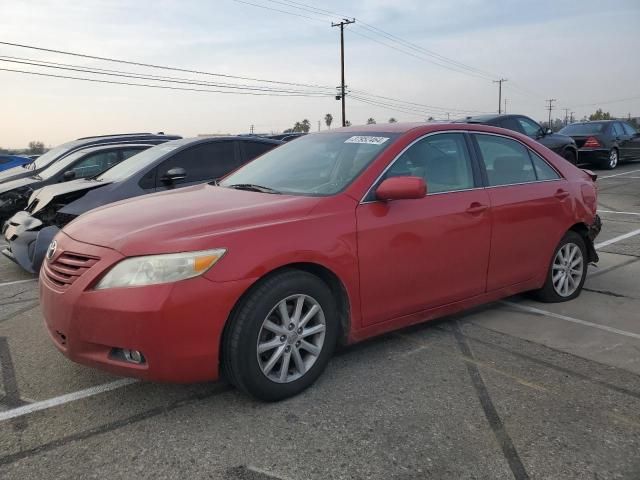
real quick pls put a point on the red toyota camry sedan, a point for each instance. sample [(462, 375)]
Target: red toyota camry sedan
[(329, 239)]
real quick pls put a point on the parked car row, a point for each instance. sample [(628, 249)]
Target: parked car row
[(12, 161), (226, 255), (602, 143)]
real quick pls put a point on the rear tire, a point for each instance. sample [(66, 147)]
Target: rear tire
[(269, 350), (570, 156), (612, 161), (567, 271)]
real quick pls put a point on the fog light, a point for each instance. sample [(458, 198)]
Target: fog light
[(133, 356)]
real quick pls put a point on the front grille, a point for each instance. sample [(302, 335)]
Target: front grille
[(68, 267)]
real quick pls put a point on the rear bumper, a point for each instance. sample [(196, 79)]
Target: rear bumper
[(593, 231), (593, 155), (177, 326)]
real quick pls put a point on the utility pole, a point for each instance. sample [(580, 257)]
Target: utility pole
[(566, 116), (571, 118), (505, 105), (550, 107), (499, 82), (345, 21), (318, 125), (251, 129)]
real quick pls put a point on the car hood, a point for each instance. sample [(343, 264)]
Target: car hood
[(15, 173), (184, 219), (13, 184), (48, 193)]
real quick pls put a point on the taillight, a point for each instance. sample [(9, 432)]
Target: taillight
[(592, 142), (591, 175)]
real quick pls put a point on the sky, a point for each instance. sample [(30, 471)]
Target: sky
[(582, 53)]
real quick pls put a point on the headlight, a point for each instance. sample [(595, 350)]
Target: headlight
[(154, 269)]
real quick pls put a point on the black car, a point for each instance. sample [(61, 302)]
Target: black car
[(175, 164), (83, 163), (61, 151), (605, 142), (563, 145)]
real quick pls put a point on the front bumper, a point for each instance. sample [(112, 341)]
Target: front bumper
[(177, 327), (27, 240)]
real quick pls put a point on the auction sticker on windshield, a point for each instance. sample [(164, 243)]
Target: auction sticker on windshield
[(367, 139)]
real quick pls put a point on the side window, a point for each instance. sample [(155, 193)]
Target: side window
[(511, 123), (130, 153), (95, 164), (531, 129), (255, 149), (629, 130), (442, 160), (507, 162), (205, 161), (542, 168), (616, 129)]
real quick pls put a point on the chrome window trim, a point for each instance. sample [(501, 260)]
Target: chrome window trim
[(561, 177)]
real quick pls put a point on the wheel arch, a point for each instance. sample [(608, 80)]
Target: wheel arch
[(583, 230), (325, 274)]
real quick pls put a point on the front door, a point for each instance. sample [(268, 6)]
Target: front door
[(422, 253)]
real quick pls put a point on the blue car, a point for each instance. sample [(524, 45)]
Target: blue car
[(10, 161)]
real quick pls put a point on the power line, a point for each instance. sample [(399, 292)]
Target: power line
[(162, 67), (166, 87), (119, 73)]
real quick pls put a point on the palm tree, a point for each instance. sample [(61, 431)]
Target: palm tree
[(328, 119), (371, 121), (393, 120)]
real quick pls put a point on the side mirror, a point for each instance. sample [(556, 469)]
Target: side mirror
[(401, 188), (174, 174), (68, 175), (548, 131)]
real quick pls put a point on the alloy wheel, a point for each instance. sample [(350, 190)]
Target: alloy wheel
[(568, 266), (613, 158), (291, 338)]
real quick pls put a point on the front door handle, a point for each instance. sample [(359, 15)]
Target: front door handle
[(561, 194), (476, 208)]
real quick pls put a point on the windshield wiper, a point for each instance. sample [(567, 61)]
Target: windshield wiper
[(254, 188)]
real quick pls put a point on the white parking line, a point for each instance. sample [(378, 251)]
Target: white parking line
[(546, 313), (61, 400), (617, 239), (619, 213), (618, 174), (18, 281)]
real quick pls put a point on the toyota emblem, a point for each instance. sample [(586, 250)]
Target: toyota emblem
[(51, 251)]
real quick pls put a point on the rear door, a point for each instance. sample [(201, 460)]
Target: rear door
[(624, 141), (423, 253), (530, 209), (203, 162)]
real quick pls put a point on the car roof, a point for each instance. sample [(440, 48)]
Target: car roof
[(111, 146), (197, 140), (426, 127)]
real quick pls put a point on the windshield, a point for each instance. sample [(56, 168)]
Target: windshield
[(583, 129), (136, 163), (321, 164), (50, 156), (61, 165)]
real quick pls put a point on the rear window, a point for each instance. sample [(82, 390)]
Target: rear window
[(583, 129)]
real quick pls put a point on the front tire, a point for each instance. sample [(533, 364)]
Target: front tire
[(567, 272), (281, 337)]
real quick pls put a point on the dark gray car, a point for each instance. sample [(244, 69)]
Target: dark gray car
[(175, 164)]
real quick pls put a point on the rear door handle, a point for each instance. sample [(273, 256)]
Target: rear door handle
[(561, 194), (476, 207)]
